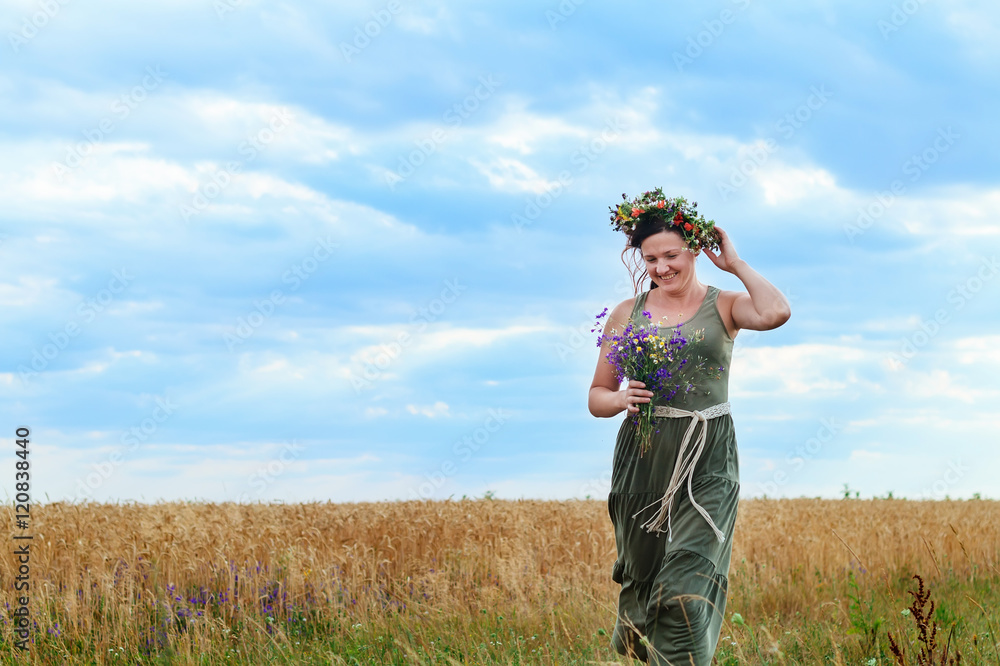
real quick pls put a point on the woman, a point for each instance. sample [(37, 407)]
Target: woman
[(674, 589)]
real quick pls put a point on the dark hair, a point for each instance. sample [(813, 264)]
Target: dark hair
[(649, 226)]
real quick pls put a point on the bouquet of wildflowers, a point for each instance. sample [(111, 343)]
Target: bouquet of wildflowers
[(640, 352)]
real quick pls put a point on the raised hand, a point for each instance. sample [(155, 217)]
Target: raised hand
[(726, 259)]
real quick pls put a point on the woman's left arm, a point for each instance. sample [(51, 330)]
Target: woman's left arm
[(763, 307)]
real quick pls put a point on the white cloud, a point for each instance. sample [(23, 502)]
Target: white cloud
[(427, 345), (30, 290), (783, 184), (96, 167), (111, 172), (964, 210), (430, 19), (430, 411), (525, 132), (860, 455), (901, 324), (511, 175), (268, 370), (117, 174), (977, 350), (937, 385), (284, 132), (975, 25), (801, 369)]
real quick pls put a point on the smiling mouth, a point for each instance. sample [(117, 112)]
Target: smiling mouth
[(666, 278)]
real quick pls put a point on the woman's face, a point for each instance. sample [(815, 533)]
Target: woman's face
[(668, 261)]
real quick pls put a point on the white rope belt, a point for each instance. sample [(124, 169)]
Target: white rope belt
[(684, 467)]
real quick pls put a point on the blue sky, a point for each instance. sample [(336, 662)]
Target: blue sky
[(303, 251)]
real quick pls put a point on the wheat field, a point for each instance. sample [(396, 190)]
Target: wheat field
[(483, 581)]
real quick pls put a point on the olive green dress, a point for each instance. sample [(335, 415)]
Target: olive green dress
[(674, 591)]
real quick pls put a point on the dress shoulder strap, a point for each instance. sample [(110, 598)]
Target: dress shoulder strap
[(638, 305)]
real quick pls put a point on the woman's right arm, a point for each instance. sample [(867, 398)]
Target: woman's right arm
[(606, 395)]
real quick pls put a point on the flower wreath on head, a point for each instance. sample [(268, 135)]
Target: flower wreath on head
[(697, 232)]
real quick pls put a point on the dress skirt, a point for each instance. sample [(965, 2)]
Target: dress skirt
[(673, 592)]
